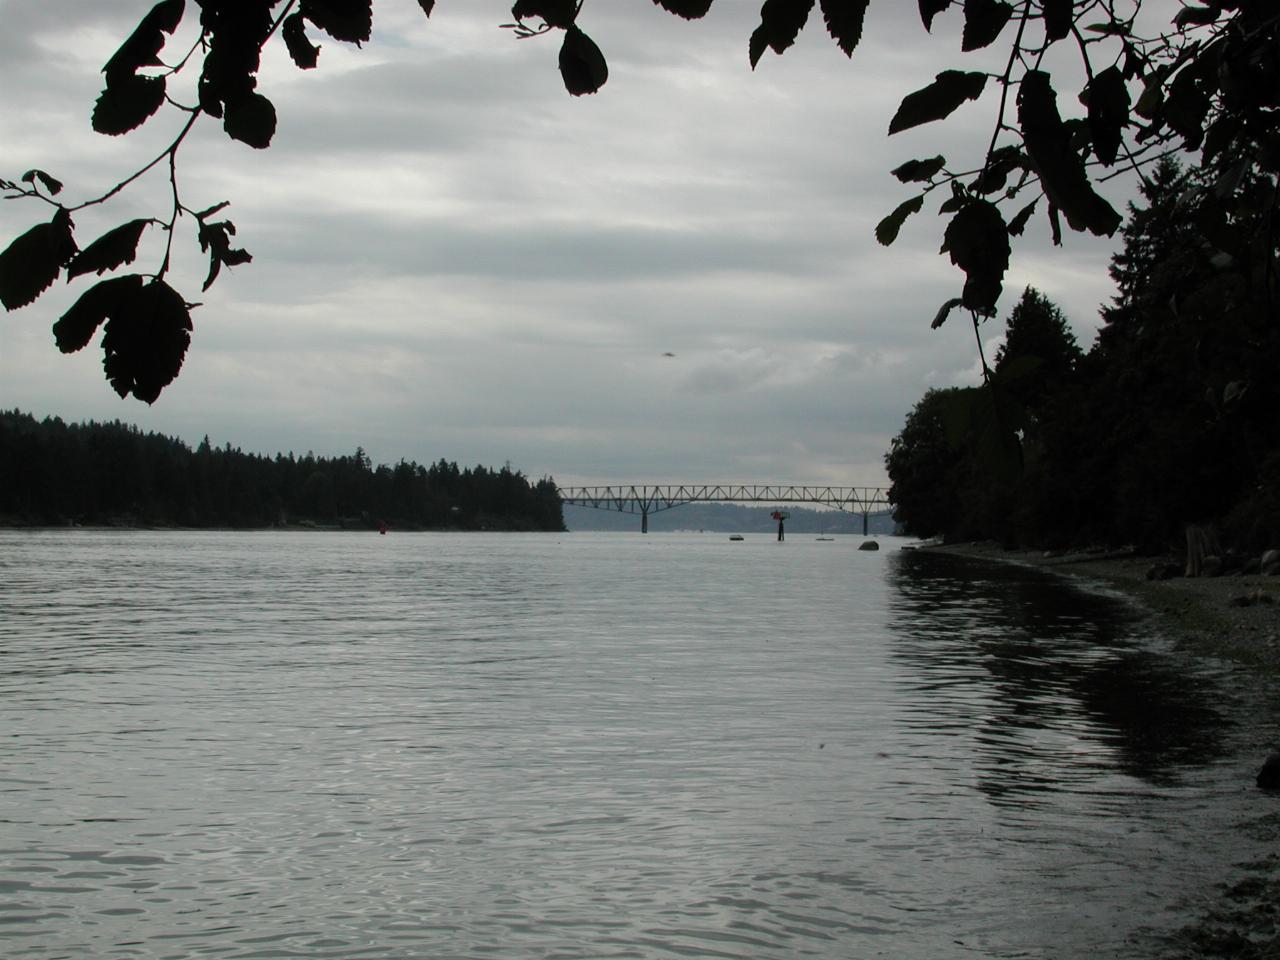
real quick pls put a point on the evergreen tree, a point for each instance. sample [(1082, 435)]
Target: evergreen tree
[(1038, 337), (1170, 417), (925, 469)]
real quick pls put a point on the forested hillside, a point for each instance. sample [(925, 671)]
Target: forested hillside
[(1170, 419), (52, 472)]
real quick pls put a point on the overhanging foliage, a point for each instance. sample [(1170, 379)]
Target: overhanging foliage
[(1209, 83)]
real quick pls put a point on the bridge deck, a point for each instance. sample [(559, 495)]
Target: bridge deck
[(650, 498)]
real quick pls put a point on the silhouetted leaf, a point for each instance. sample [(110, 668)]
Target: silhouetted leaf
[(689, 9), (76, 327), (1152, 97), (944, 311), (427, 6), (251, 119), (556, 13), (237, 32), (938, 100), (919, 170), (1228, 182), (780, 23), (978, 241), (756, 46), (1059, 15), (1061, 169), (216, 239), (1195, 16), (204, 214), (1019, 221), (294, 31), (1107, 98), (1078, 138), (1135, 64), (1220, 137), (1055, 225), (146, 339), (887, 229), (1000, 164), (844, 19), (126, 103), (143, 47), (1185, 108), (113, 249), (349, 20), (53, 186), (1110, 28), (983, 21), (582, 65), (930, 9), (215, 267), (957, 199), (30, 264), (207, 94)]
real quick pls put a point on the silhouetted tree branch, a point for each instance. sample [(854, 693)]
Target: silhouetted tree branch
[(1209, 85)]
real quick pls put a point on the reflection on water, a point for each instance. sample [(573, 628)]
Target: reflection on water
[(336, 746), (1047, 677)]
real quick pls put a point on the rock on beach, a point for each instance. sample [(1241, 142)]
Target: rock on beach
[(1269, 775)]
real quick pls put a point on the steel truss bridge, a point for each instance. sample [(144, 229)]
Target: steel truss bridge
[(652, 498)]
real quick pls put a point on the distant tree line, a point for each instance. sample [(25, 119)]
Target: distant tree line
[(53, 472), (1172, 417)]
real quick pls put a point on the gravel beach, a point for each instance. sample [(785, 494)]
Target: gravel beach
[(1237, 617)]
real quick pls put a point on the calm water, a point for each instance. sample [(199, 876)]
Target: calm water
[(251, 745)]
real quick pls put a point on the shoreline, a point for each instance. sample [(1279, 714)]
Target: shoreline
[(300, 527), (1198, 616), (1207, 615)]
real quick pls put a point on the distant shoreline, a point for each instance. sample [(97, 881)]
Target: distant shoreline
[(7, 523)]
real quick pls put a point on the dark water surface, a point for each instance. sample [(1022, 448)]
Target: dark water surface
[(252, 745)]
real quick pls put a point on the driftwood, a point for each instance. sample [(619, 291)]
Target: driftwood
[(1202, 543)]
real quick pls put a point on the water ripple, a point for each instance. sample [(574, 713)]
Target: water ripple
[(341, 746)]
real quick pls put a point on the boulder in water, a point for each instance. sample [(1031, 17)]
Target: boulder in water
[(1269, 775)]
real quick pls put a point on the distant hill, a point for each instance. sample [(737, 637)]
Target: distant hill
[(726, 518)]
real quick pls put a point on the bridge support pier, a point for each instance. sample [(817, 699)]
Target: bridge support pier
[(650, 498)]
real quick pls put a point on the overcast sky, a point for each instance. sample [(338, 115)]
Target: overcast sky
[(454, 258)]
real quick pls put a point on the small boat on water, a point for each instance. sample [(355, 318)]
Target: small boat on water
[(736, 536), (825, 539)]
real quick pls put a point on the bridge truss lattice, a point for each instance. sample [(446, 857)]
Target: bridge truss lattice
[(645, 499)]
